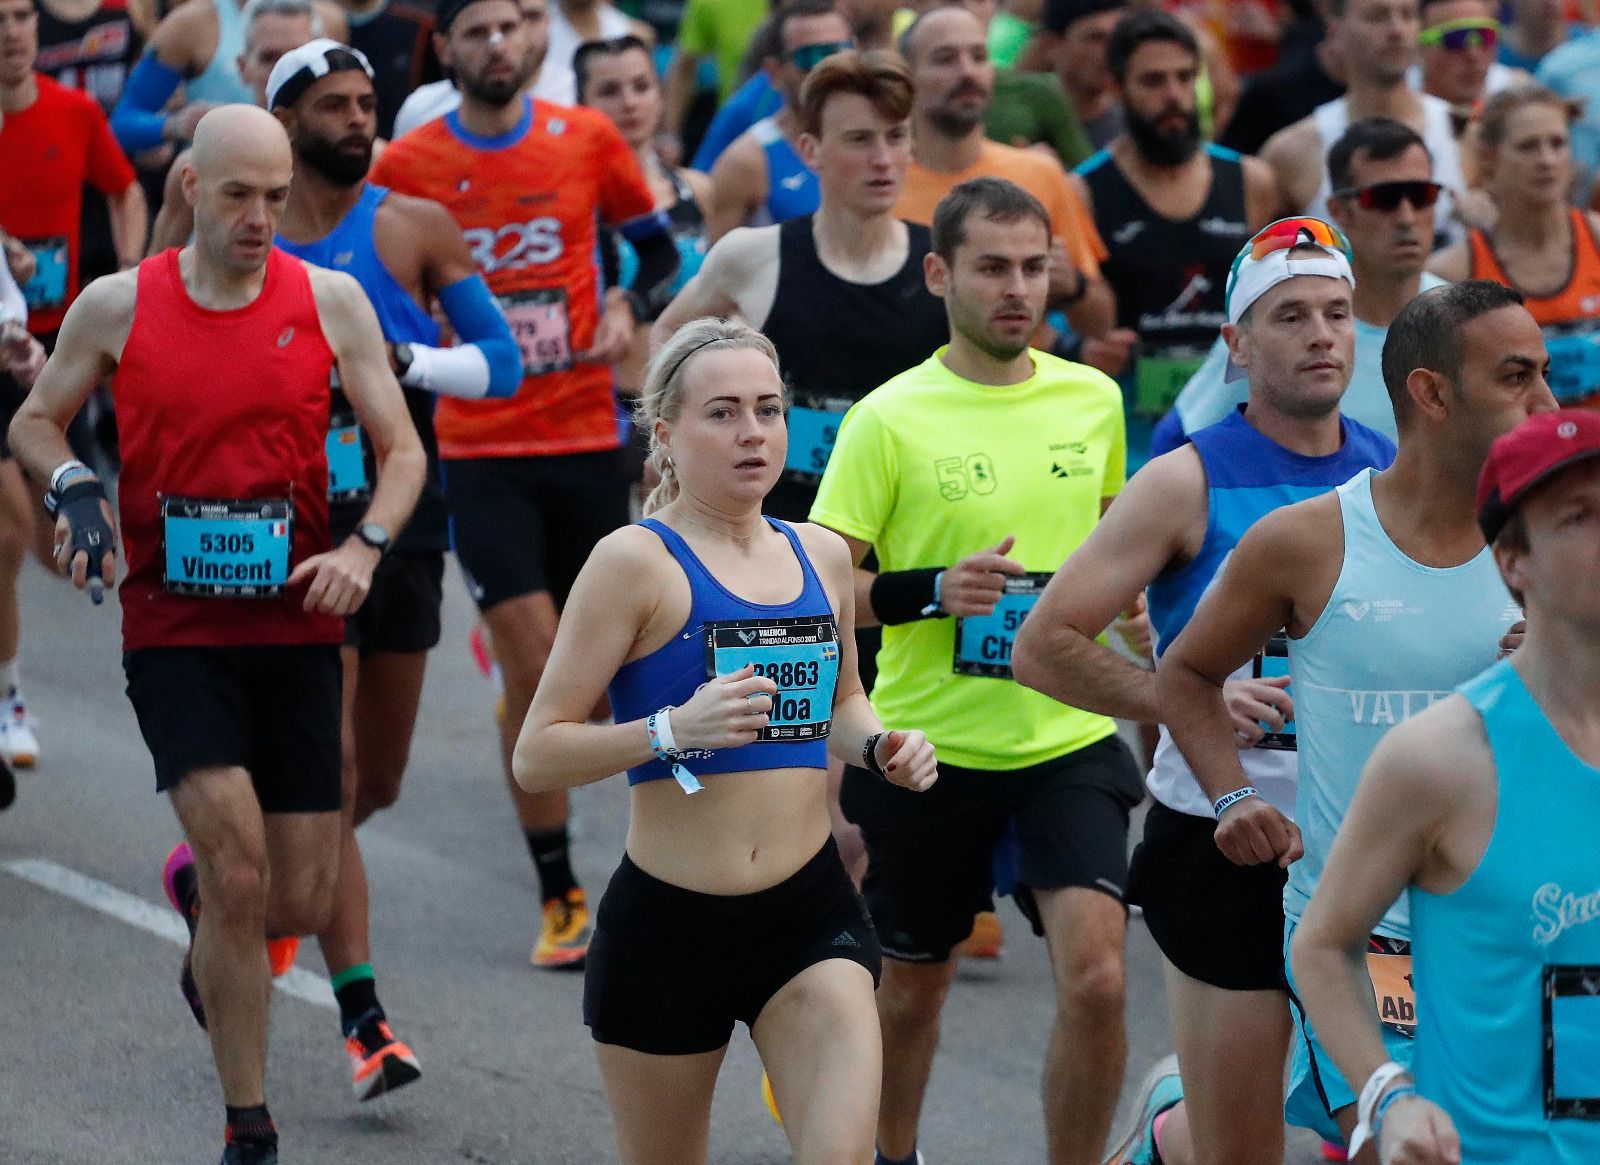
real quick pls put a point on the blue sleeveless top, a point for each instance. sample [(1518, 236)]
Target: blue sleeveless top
[(219, 81), (794, 643), (1508, 1021), (350, 248), (1248, 476), (792, 188)]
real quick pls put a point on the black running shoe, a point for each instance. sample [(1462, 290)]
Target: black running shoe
[(250, 1153)]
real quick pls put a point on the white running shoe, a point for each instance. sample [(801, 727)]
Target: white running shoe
[(18, 744)]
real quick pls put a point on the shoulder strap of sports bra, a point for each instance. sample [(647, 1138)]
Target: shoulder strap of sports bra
[(813, 580)]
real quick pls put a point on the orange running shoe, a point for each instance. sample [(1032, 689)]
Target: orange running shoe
[(987, 940), (564, 939), (281, 953), (379, 1063)]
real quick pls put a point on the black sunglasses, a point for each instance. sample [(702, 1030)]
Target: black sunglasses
[(1389, 195)]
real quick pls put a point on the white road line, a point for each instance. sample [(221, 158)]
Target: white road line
[(161, 921)]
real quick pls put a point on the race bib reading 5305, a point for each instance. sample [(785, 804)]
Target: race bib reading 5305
[(983, 642), (799, 655), (226, 549)]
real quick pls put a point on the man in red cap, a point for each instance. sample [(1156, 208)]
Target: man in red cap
[(1482, 809)]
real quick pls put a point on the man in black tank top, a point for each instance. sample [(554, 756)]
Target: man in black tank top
[(840, 293), (1173, 216)]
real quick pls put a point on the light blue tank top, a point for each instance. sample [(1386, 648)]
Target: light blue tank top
[(220, 81), (792, 188), (1248, 475), (1395, 637), (1508, 966)]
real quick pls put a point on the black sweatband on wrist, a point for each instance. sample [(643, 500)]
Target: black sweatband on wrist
[(899, 596), (869, 755)]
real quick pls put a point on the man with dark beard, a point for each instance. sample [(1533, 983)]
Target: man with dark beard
[(407, 254), (1172, 214), (534, 481)]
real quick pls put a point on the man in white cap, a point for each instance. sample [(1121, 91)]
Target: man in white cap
[(1213, 904)]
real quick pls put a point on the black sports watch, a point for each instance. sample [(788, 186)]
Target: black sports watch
[(403, 356), (374, 536)]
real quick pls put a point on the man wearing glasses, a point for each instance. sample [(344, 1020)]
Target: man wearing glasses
[(761, 178), (1214, 907)]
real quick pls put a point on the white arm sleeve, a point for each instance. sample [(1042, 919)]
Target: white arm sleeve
[(461, 371)]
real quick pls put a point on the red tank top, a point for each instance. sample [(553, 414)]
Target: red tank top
[(221, 407)]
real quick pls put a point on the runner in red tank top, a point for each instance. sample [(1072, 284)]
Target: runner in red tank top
[(234, 601)]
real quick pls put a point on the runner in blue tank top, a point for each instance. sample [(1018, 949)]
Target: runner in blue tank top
[(1482, 811), (1389, 598), (1216, 915), (406, 253), (725, 640)]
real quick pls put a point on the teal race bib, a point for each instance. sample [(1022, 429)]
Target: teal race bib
[(1572, 1042), (800, 655), (349, 479), (813, 428), (1273, 660), (1158, 378), (983, 642), (48, 287), (1574, 365), (226, 549)]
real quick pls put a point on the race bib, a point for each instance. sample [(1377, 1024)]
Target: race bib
[(543, 328), (1158, 378), (800, 655), (1574, 366), (1389, 968), (349, 479), (983, 642), (813, 427), (1572, 1042), (226, 549), (1271, 661), (48, 287)]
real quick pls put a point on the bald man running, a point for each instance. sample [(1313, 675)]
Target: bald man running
[(234, 601)]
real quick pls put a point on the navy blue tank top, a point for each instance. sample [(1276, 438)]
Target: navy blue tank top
[(794, 643)]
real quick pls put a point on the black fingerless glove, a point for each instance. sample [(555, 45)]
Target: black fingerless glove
[(79, 503)]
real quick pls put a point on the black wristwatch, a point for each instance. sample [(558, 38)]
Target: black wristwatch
[(374, 536), (403, 356)]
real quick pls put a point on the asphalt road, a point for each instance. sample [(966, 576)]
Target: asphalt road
[(100, 1060)]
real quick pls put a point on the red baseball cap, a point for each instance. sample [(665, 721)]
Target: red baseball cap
[(1535, 451)]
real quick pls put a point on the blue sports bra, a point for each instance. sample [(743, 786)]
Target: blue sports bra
[(795, 644)]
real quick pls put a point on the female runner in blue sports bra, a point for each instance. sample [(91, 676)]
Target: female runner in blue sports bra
[(726, 640)]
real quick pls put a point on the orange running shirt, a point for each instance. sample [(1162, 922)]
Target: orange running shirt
[(528, 201), (1040, 176)]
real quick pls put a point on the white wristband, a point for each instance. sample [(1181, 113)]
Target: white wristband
[(1232, 798), (63, 469), (664, 730), (1377, 1084)]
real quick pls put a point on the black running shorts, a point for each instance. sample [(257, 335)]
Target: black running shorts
[(272, 711), (671, 971), (526, 524), (936, 858), (401, 613), (1216, 922)]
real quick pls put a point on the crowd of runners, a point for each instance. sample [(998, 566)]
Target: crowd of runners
[(937, 453)]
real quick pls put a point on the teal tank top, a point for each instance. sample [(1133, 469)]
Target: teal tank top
[(220, 81), (1508, 966), (1395, 638)]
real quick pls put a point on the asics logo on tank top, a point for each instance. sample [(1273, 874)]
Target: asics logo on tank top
[(1558, 911), (285, 337), (1127, 232), (516, 245), (792, 181)]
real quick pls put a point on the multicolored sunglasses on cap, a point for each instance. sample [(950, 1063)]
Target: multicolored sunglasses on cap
[(1458, 36), (1288, 233), (808, 57)]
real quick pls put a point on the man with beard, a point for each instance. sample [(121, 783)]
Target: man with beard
[(1171, 214), (948, 52), (534, 481), (946, 473), (407, 254)]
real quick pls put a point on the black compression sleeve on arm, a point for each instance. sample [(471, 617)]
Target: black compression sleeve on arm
[(900, 596)]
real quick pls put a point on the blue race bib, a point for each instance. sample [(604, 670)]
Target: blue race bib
[(1574, 365), (1572, 1042), (812, 430), (800, 655), (226, 549), (1273, 660), (983, 642), (346, 448), (48, 287)]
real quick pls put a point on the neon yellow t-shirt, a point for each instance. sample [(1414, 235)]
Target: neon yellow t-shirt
[(931, 468)]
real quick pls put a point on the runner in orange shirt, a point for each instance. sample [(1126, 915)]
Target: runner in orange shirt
[(533, 481)]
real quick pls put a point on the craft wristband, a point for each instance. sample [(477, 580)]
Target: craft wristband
[(904, 596), (1228, 799), (658, 727), (1380, 1080)]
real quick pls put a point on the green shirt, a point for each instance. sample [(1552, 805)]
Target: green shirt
[(931, 468), (720, 29), (1032, 107)]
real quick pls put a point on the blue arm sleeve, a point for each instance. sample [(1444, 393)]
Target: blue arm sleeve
[(477, 320), (137, 120)]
